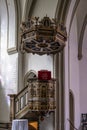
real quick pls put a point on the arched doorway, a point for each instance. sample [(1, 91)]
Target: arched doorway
[(71, 110)]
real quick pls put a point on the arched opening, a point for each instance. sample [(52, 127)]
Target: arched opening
[(71, 110), (29, 75)]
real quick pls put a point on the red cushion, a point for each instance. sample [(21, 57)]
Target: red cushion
[(44, 75)]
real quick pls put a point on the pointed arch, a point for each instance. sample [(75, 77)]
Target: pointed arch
[(28, 75), (73, 13), (27, 8), (81, 38), (61, 10), (13, 25)]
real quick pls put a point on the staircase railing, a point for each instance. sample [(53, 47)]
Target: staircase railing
[(19, 104)]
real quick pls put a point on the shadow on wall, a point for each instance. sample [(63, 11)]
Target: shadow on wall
[(4, 108)]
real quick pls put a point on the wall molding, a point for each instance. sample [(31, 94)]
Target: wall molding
[(27, 9), (81, 38), (62, 10), (12, 49), (60, 15), (73, 14)]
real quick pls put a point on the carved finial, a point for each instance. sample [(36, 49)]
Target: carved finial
[(36, 18), (22, 26)]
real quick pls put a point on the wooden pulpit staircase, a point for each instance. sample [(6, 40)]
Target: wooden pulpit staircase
[(19, 108), (32, 102)]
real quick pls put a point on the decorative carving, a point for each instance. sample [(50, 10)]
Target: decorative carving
[(42, 37), (38, 97), (41, 95)]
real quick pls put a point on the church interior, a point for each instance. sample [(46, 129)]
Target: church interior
[(43, 73)]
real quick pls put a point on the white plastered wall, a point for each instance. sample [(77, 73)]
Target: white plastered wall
[(8, 64), (74, 70), (82, 20), (71, 66), (83, 75)]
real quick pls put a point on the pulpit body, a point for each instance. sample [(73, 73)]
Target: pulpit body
[(41, 95), (36, 99)]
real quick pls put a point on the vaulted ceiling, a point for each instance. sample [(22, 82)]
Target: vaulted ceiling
[(62, 8)]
